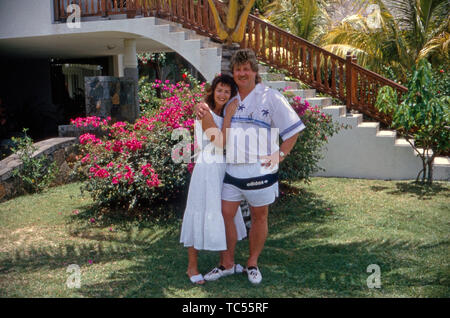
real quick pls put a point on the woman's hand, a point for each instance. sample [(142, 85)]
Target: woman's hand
[(201, 109)]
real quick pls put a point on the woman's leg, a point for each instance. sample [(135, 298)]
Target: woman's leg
[(192, 269)]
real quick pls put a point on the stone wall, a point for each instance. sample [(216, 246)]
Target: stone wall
[(61, 150)]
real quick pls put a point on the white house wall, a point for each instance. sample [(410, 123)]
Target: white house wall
[(28, 24)]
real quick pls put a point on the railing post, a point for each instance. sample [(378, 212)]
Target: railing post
[(354, 80), (56, 10), (131, 9), (104, 9), (349, 81)]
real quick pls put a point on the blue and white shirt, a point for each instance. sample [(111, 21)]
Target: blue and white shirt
[(260, 119)]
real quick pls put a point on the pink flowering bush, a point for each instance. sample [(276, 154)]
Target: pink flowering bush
[(303, 160), (153, 94), (131, 166)]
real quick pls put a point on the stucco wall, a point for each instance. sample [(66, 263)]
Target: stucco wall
[(20, 18)]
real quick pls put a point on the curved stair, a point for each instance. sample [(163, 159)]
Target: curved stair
[(362, 150)]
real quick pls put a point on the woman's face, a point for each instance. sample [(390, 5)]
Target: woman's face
[(222, 94)]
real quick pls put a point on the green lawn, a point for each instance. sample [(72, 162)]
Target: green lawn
[(321, 241)]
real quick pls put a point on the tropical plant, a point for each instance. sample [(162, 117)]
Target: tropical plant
[(394, 33), (231, 20), (423, 118), (261, 5), (305, 18)]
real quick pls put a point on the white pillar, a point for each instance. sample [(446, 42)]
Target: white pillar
[(130, 57), (118, 65), (130, 69)]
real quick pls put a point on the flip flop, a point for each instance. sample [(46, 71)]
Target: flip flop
[(196, 279)]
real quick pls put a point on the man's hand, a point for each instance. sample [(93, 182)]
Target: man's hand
[(271, 161), (286, 147), (201, 109)]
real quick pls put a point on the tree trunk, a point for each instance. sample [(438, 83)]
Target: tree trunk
[(227, 53), (430, 170)]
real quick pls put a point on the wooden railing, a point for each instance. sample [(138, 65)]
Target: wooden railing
[(341, 78), (324, 71)]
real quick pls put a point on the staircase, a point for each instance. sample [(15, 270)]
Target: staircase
[(199, 50), (363, 150)]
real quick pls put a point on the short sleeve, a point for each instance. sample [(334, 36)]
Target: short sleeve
[(284, 116)]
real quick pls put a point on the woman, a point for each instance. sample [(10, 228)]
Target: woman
[(203, 227)]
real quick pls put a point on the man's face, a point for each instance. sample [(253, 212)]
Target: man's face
[(244, 76)]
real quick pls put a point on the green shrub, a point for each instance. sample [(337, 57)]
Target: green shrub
[(37, 172), (303, 161)]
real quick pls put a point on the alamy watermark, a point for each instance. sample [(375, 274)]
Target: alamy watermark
[(374, 280), (373, 16), (74, 280), (74, 19)]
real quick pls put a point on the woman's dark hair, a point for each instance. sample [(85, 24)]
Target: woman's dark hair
[(224, 79)]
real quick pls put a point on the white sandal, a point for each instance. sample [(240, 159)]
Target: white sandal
[(196, 279), (220, 271)]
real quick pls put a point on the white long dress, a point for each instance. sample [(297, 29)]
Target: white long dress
[(203, 225)]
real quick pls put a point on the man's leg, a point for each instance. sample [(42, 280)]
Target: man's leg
[(229, 209), (258, 233)]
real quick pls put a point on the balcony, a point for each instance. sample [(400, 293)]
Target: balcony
[(100, 8)]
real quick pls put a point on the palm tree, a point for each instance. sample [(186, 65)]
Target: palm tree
[(396, 34), (304, 18), (261, 5)]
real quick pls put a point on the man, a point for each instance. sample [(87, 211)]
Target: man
[(253, 175)]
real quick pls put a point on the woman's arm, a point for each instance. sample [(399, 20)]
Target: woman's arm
[(217, 136)]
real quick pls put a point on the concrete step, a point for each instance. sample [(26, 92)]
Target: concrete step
[(263, 68), (387, 134), (303, 93), (272, 76), (335, 111), (421, 151), (209, 51), (205, 42), (402, 142), (368, 129), (163, 28), (319, 101), (371, 125), (159, 21), (442, 161), (281, 85)]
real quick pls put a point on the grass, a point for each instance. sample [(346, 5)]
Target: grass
[(322, 238)]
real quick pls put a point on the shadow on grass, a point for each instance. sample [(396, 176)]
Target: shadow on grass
[(415, 189), (299, 259), (122, 219)]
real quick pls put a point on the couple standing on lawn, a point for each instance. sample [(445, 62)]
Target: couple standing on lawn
[(236, 108)]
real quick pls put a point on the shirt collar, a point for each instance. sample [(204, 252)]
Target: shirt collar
[(259, 89)]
